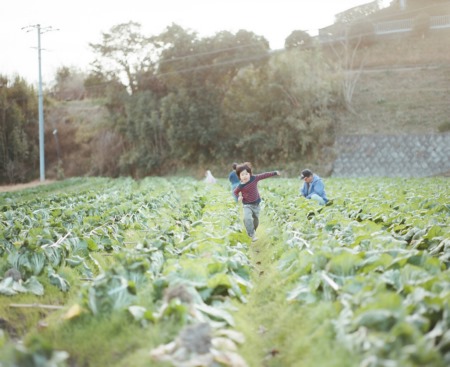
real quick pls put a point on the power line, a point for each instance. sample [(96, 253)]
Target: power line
[(207, 53)]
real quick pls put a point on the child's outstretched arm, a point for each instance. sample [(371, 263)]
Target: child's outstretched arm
[(265, 175)]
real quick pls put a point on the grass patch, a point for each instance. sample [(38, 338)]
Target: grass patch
[(279, 333), (113, 340), (17, 321)]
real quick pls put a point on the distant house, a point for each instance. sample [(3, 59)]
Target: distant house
[(358, 12), (372, 19), (343, 20)]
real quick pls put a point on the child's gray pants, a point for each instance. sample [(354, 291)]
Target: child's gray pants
[(251, 218)]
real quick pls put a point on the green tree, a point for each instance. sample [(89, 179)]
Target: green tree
[(124, 53), (69, 84), (146, 148), (212, 99), (177, 59), (197, 77), (96, 83), (282, 112), (298, 39), (18, 130)]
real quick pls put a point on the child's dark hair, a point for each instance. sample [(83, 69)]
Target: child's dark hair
[(234, 166), (244, 167)]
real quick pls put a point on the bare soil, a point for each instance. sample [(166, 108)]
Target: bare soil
[(22, 186)]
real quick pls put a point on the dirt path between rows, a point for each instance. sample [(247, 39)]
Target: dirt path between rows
[(17, 187)]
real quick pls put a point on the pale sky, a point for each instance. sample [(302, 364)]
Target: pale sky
[(81, 22)]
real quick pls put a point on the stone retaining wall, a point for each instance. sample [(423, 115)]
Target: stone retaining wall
[(392, 155)]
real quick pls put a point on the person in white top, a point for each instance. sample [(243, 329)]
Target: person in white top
[(209, 178)]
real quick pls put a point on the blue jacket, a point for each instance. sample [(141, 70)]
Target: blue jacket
[(315, 187), (234, 179)]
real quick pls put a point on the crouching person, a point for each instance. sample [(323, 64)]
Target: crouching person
[(313, 187)]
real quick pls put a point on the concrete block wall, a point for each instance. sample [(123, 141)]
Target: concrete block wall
[(392, 155)]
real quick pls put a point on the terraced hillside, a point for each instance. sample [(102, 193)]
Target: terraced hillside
[(403, 87)]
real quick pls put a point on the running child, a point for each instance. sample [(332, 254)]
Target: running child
[(247, 192)]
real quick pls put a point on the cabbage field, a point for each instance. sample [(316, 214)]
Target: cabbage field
[(159, 272)]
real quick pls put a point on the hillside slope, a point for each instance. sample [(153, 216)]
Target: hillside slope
[(403, 87)]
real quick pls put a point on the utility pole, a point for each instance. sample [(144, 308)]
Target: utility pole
[(41, 112), (40, 101)]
